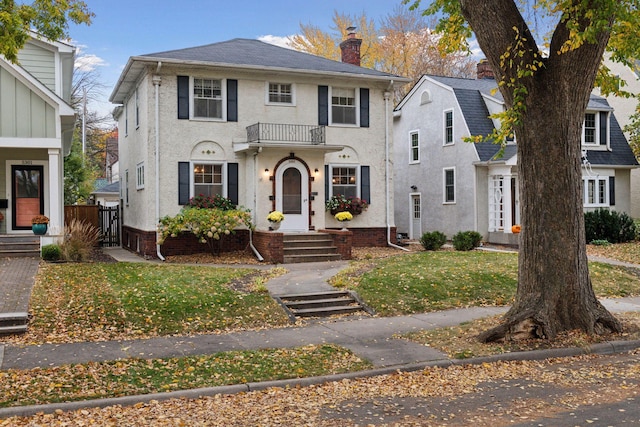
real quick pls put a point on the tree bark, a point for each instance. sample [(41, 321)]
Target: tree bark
[(554, 288)]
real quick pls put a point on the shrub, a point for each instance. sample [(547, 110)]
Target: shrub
[(432, 241), (614, 227), (79, 240), (207, 202), (600, 243), (51, 252), (466, 240)]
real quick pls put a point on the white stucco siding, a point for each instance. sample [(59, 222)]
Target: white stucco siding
[(201, 140), (435, 157)]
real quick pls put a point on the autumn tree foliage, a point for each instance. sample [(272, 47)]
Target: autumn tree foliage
[(402, 44), (50, 19), (546, 85)]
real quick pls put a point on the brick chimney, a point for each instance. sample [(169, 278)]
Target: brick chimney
[(350, 47), (483, 70)]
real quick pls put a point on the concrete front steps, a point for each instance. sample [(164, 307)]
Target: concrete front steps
[(309, 247), (22, 245), (13, 323), (322, 304)]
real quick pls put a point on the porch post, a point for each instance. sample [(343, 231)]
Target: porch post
[(56, 207), (506, 202)]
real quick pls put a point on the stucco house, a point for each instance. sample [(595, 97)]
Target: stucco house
[(268, 127), (443, 183), (36, 128)]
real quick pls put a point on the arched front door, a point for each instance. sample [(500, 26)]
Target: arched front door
[(292, 195)]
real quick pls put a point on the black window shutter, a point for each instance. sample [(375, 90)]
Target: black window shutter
[(323, 105), (612, 191), (183, 97), (183, 183), (603, 127), (365, 184), (232, 100), (364, 108), (327, 180), (232, 182)]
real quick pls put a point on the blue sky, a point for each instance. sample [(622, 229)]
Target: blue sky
[(122, 28)]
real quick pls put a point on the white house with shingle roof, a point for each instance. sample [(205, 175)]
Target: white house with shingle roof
[(267, 127), (443, 183)]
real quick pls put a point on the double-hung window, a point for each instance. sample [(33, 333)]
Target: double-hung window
[(207, 98), (590, 129), (449, 176), (343, 106), (140, 176), (344, 181), (280, 93), (414, 147), (208, 179), (448, 127), (596, 191)]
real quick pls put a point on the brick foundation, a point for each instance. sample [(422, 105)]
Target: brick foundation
[(342, 240), (270, 245), (144, 243), (366, 237)]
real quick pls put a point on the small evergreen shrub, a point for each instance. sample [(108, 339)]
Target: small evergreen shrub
[(51, 252), (466, 240), (612, 226), (600, 242), (432, 241)]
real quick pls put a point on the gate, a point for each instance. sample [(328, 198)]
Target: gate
[(109, 224)]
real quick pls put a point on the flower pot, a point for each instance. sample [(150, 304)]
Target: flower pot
[(274, 225), (39, 229)]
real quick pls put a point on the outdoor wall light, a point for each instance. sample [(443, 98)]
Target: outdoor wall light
[(316, 171), (266, 170)]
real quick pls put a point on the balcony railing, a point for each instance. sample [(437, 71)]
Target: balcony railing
[(286, 133)]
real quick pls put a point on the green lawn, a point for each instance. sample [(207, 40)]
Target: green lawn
[(428, 281), (136, 376), (96, 301)]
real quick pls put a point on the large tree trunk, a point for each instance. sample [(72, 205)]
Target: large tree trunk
[(554, 289)]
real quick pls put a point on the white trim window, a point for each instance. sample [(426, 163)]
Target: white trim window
[(207, 98), (414, 147), (126, 187), (137, 100), (280, 93), (344, 180), (448, 127), (140, 176), (596, 191), (208, 179), (449, 185), (496, 203), (590, 130), (344, 108)]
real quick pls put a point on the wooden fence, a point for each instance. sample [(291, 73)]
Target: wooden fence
[(105, 219)]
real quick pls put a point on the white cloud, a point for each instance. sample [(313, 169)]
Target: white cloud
[(89, 62), (276, 40)]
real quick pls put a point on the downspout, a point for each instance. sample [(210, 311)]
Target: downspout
[(255, 204), (156, 84), (387, 96)]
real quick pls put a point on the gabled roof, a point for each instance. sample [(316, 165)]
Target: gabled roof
[(246, 54), (470, 95)]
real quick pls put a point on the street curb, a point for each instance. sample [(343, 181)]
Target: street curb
[(610, 347)]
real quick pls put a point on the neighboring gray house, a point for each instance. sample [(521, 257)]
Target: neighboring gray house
[(268, 127), (36, 126), (445, 184)]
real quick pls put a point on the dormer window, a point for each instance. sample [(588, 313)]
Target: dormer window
[(595, 130)]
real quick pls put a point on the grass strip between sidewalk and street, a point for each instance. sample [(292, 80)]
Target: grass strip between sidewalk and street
[(137, 376)]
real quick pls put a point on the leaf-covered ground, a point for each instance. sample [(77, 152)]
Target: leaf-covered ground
[(578, 391)]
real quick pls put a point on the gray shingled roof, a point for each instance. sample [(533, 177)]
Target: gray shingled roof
[(255, 53), (247, 54), (469, 95)]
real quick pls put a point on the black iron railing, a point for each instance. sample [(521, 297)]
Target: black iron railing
[(286, 133)]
